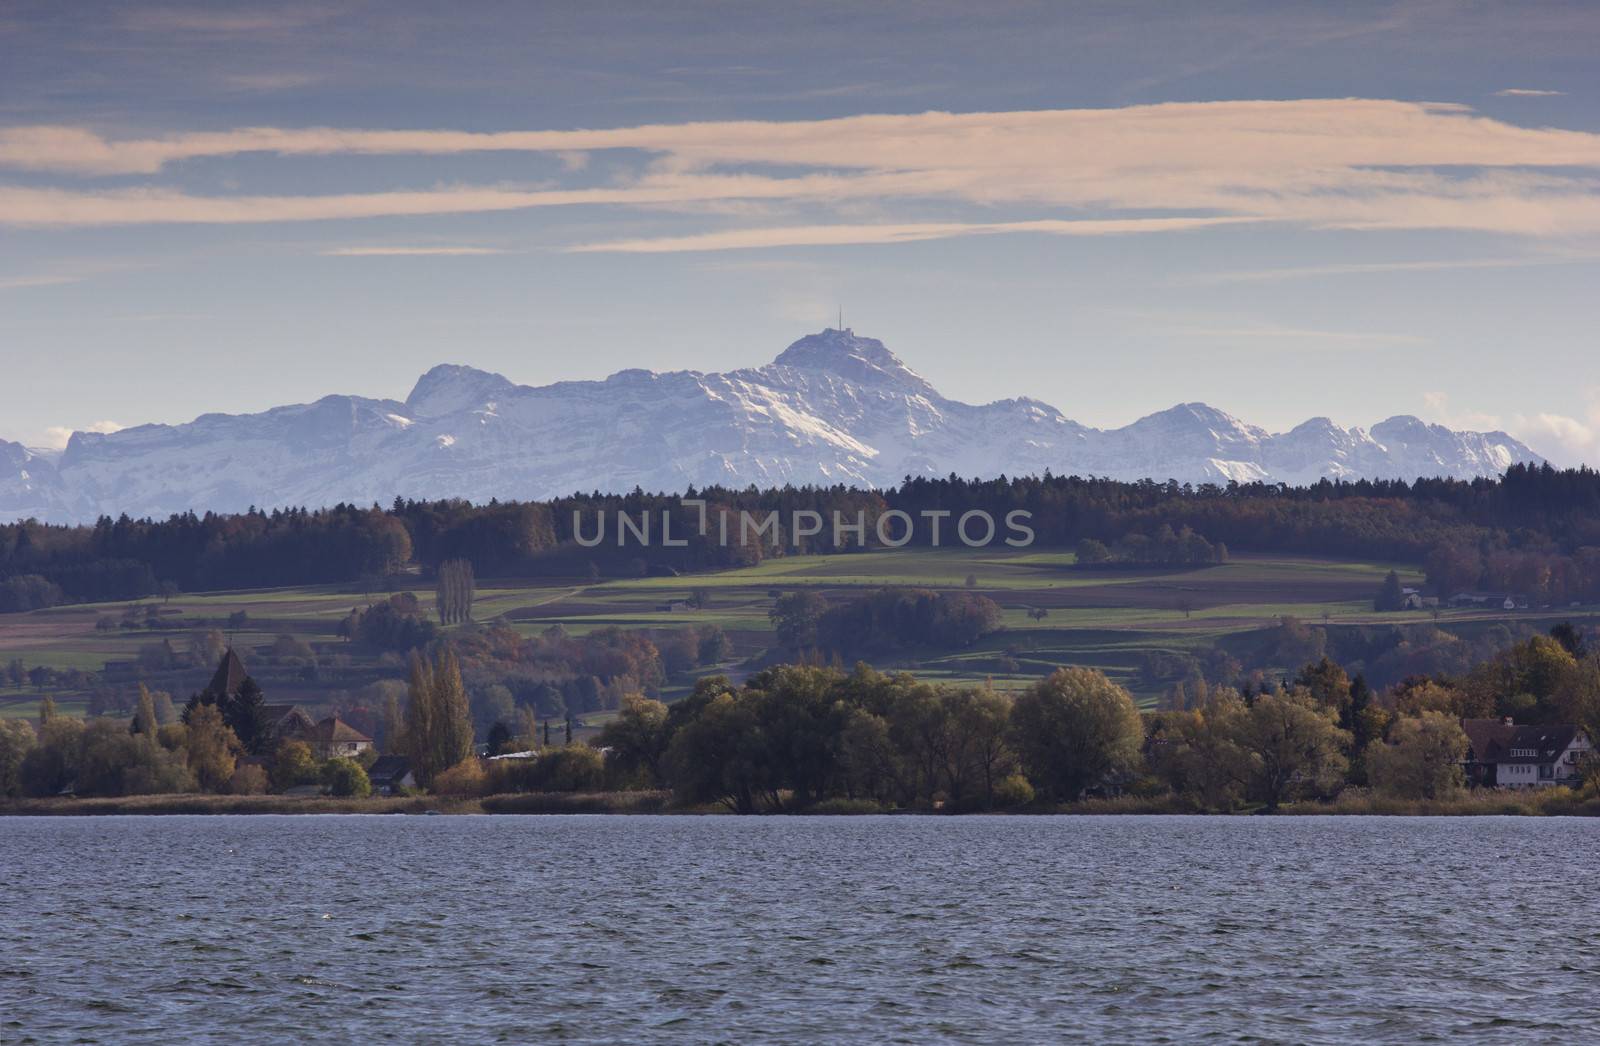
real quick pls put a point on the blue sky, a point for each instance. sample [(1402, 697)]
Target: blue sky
[(1350, 210)]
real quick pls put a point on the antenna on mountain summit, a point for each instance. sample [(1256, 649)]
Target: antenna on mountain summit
[(841, 319)]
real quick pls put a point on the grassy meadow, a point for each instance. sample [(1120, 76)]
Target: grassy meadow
[(1104, 618)]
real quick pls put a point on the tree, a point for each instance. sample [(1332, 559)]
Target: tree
[(1091, 552), (213, 748), (1571, 640), (1294, 746), (638, 738), (144, 719), (292, 764), (1206, 760), (1327, 683), (795, 617), (16, 739), (455, 591), (1390, 595), (720, 756), (982, 719), (47, 710), (345, 777), (438, 724), (1422, 759), (166, 712), (1074, 731)]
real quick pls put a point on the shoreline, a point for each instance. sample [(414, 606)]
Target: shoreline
[(1545, 803)]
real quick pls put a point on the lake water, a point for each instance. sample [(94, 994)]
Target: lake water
[(904, 929)]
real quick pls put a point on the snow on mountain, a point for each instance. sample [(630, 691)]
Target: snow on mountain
[(834, 407)]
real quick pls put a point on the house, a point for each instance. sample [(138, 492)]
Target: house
[(1486, 600), (334, 737), (675, 606), (285, 723), (1412, 599), (391, 774), (1501, 754)]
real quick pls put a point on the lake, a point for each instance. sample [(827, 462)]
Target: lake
[(884, 929)]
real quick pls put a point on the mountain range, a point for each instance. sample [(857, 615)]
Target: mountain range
[(833, 407)]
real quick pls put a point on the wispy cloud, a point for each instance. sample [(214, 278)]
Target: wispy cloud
[(8, 283), (836, 235), (1301, 272), (387, 252), (270, 81), (221, 22), (1527, 92), (1278, 335), (1331, 164)]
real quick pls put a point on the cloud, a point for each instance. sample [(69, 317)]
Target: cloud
[(375, 252), (270, 81), (1279, 334), (1438, 409), (266, 19), (1328, 164), (56, 436), (1301, 272), (1527, 92), (1563, 439), (836, 235), (8, 283)]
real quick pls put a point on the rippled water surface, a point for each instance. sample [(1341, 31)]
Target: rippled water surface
[(642, 929)]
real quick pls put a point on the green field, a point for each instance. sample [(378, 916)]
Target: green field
[(1107, 619)]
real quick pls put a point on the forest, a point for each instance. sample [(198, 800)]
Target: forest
[(1535, 531)]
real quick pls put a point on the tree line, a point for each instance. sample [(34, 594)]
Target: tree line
[(1535, 530), (803, 736)]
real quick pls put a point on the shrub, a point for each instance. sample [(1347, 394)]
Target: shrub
[(1012, 792), (466, 779), (248, 779), (344, 777), (574, 768)]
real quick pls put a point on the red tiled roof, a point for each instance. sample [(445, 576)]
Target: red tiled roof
[(334, 729)]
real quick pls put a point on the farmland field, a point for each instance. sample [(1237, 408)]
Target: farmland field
[(1054, 613)]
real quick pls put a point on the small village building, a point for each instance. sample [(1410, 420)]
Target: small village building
[(334, 737), (285, 723), (1486, 601), (391, 774), (1501, 754)]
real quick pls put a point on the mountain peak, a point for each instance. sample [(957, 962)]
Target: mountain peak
[(450, 387), (847, 354)]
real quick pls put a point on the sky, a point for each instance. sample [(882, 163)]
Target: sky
[(1284, 210)]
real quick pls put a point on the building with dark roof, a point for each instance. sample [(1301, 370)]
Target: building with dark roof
[(229, 677), (1501, 754), (390, 774)]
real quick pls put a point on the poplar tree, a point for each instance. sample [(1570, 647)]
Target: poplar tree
[(455, 591), (144, 720), (438, 724)]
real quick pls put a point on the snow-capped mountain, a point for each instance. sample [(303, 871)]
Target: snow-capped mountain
[(832, 408)]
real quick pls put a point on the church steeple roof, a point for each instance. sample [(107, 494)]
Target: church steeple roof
[(230, 676)]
